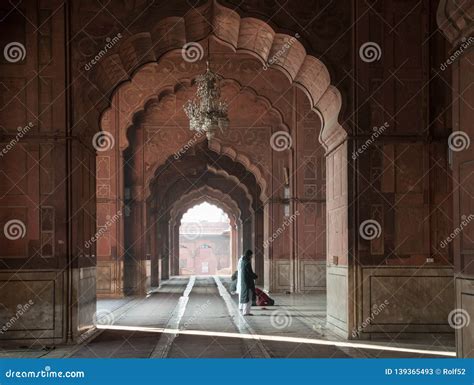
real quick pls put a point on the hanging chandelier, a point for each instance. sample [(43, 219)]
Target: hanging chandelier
[(206, 112)]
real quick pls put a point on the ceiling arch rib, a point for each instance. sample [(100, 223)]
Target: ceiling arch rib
[(183, 187), (201, 164)]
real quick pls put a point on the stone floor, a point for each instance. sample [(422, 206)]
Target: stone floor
[(198, 317)]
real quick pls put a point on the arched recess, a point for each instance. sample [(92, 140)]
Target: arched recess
[(177, 181), (139, 177), (219, 148)]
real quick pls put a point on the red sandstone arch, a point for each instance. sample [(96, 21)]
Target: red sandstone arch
[(166, 178), (232, 195), (125, 72), (203, 194), (193, 198), (455, 19), (248, 35)]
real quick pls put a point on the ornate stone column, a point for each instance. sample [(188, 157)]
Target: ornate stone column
[(455, 20)]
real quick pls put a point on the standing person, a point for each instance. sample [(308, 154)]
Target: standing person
[(245, 282)]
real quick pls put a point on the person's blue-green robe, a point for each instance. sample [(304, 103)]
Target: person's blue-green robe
[(245, 280)]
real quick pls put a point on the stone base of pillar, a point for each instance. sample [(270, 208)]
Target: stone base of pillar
[(464, 316), (39, 310)]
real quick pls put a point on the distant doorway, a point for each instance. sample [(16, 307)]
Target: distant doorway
[(205, 241)]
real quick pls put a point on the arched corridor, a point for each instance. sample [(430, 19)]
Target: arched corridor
[(348, 173)]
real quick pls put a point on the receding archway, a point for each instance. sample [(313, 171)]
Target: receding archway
[(205, 241), (284, 266), (181, 183), (219, 199)]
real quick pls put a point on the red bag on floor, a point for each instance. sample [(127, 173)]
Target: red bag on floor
[(263, 299)]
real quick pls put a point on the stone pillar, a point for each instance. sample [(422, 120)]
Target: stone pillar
[(233, 244), (338, 273), (258, 246), (163, 245), (135, 249), (247, 237), (174, 248), (239, 240), (267, 255), (155, 272), (135, 224), (276, 247), (462, 164)]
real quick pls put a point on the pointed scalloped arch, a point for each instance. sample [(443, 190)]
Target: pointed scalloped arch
[(204, 194), (248, 34)]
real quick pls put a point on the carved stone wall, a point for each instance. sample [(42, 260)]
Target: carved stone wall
[(47, 183)]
